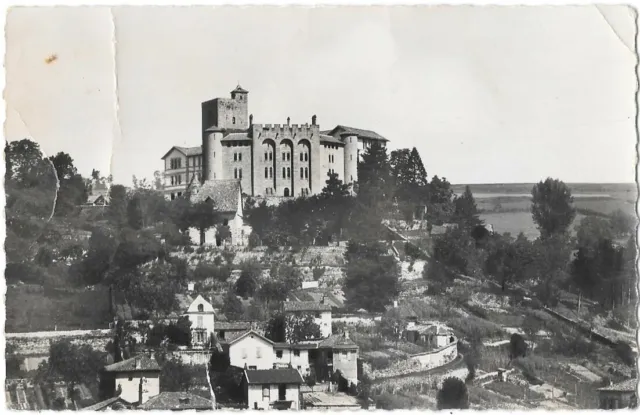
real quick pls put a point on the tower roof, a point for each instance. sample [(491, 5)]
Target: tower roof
[(240, 90)]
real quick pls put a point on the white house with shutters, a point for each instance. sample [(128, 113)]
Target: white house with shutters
[(202, 317)]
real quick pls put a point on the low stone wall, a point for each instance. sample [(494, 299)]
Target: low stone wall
[(419, 362), (357, 319), (37, 343), (191, 357)]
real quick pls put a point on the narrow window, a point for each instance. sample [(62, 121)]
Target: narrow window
[(239, 156), (235, 173), (306, 172), (266, 172), (329, 158), (301, 173), (233, 120), (301, 157), (235, 156), (270, 156), (306, 156), (239, 173), (284, 173), (266, 156), (284, 157), (270, 172), (288, 172)]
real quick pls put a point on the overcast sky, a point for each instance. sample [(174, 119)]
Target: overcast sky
[(486, 94)]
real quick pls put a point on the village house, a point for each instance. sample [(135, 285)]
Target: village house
[(320, 311), (619, 396), (431, 334), (202, 318), (272, 389), (229, 330), (135, 380), (225, 197)]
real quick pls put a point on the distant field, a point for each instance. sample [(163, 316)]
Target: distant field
[(617, 190), (516, 222), (31, 308)]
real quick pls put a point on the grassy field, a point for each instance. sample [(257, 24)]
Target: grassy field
[(32, 308)]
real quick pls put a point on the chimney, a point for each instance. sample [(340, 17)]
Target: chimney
[(313, 120), (288, 120), (251, 119)]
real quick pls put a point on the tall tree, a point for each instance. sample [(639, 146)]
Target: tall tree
[(552, 207), (410, 177), (232, 307), (375, 185), (118, 201), (202, 216), (441, 208), (372, 276), (466, 211), (334, 187)]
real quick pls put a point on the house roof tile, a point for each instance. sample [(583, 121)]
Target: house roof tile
[(223, 193), (274, 376), (305, 306), (338, 341), (171, 401), (629, 385), (232, 325), (146, 364)]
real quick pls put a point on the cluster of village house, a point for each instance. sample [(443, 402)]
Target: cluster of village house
[(274, 372)]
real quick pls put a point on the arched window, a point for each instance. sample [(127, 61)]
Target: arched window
[(235, 173), (266, 156), (306, 172), (288, 156), (266, 172), (235, 156), (284, 157), (301, 157), (306, 157), (284, 173), (270, 156)]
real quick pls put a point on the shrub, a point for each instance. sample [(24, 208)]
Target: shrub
[(318, 272), (380, 363), (625, 353), (228, 255), (188, 249), (517, 346), (453, 395)]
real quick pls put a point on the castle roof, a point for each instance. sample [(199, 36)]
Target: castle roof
[(236, 137), (240, 89), (187, 151), (344, 130), (330, 139), (223, 193)]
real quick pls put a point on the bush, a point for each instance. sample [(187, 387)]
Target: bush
[(453, 395), (318, 272), (188, 249), (228, 255), (625, 353), (517, 346), (380, 363)]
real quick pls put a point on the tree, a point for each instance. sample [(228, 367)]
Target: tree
[(510, 260), (118, 202), (74, 364), (375, 186), (410, 178), (517, 346), (466, 211), (441, 208), (622, 223), (591, 230), (292, 328), (202, 216), (177, 377), (334, 187), (453, 395), (247, 283), (372, 276), (232, 307), (552, 207), (392, 325)]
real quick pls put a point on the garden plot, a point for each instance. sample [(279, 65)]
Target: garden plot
[(411, 271)]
